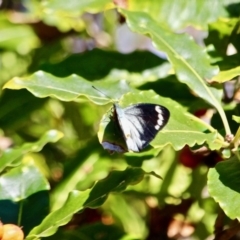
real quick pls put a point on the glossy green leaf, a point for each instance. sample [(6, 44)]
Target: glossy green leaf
[(59, 217), (132, 220), (43, 84), (21, 182), (73, 5), (66, 15), (227, 75), (198, 13), (148, 76), (182, 128), (11, 156), (117, 181), (18, 37), (181, 51), (236, 118), (224, 186)]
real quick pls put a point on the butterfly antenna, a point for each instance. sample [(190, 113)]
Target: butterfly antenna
[(103, 93)]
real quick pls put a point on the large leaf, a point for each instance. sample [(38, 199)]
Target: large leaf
[(197, 13), (132, 219), (73, 5), (191, 63), (18, 37), (182, 128), (43, 84), (13, 156), (21, 182), (59, 217), (21, 188), (65, 15), (117, 181), (227, 75), (224, 186)]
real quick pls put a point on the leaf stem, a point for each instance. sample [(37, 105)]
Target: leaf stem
[(20, 213), (224, 119)]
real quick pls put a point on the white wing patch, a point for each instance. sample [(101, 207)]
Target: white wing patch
[(129, 130), (160, 118), (140, 123)]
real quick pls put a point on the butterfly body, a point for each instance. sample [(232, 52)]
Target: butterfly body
[(140, 123)]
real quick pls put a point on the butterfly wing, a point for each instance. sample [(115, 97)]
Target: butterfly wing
[(140, 123)]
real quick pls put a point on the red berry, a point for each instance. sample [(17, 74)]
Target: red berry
[(188, 158), (201, 112)]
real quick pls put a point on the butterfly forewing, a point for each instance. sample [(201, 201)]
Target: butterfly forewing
[(140, 123)]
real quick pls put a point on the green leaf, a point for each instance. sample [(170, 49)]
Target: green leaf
[(219, 34), (236, 118), (130, 216), (224, 186), (11, 156), (117, 181), (17, 37), (66, 15), (59, 217), (197, 13), (43, 84), (21, 188), (182, 128), (73, 5), (181, 51), (227, 75), (21, 182)]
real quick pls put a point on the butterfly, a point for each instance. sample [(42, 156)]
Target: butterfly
[(140, 123)]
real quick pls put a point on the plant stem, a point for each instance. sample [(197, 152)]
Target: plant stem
[(20, 213), (225, 121)]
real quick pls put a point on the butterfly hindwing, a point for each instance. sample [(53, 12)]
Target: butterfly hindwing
[(140, 123)]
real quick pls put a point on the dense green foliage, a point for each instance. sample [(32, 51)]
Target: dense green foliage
[(57, 181)]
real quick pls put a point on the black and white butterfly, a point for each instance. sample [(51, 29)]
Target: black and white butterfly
[(139, 123)]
